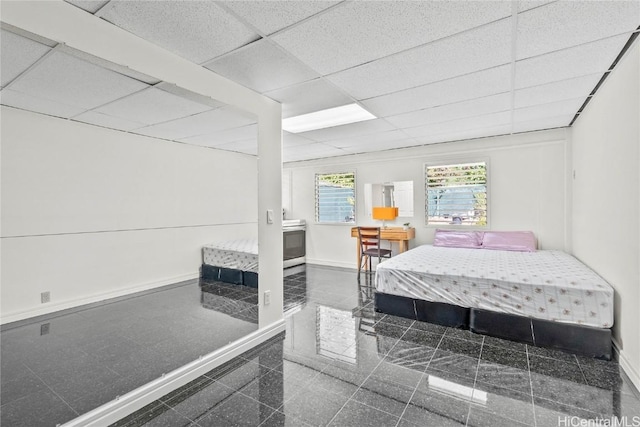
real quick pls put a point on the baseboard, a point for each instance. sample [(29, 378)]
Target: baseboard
[(69, 304), (115, 410), (627, 367), (331, 263)]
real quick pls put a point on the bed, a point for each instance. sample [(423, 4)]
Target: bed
[(231, 261), (545, 298)]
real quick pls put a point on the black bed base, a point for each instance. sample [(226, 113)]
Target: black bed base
[(229, 275), (584, 340)]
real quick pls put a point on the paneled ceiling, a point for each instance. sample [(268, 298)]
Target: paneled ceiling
[(430, 71)]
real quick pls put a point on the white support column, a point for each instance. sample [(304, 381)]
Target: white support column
[(270, 200)]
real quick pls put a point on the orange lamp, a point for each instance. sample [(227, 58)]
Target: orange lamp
[(385, 213)]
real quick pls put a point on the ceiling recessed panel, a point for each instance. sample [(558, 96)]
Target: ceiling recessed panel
[(17, 53), (27, 102), (68, 80), (196, 30), (473, 50), (91, 6), (579, 61), (474, 107), (358, 32), (557, 91), (564, 24), (152, 106), (201, 124), (104, 120), (476, 85), (308, 97), (564, 108), (262, 66), (346, 131), (223, 137), (271, 16)]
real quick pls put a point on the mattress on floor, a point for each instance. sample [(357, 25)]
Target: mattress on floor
[(239, 254), (550, 285)]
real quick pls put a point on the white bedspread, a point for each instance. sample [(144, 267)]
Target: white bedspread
[(549, 285), (241, 254)]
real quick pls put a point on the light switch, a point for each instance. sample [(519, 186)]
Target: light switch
[(269, 216)]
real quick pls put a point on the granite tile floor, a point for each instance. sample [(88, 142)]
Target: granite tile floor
[(339, 363), (342, 364)]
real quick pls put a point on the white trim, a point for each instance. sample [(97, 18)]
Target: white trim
[(64, 305), (331, 263), (142, 396), (626, 365)]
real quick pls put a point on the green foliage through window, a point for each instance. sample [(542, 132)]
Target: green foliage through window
[(456, 194), (335, 198)]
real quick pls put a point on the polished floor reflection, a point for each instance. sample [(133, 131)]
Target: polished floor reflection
[(342, 364), (56, 369)]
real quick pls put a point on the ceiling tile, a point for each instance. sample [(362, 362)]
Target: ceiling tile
[(544, 123), (65, 79), (557, 91), (464, 53), (91, 6), (201, 124), (224, 137), (347, 131), (17, 53), (381, 146), (564, 24), (249, 146), (154, 132), (24, 101), (271, 16), (104, 120), (483, 83), (196, 30), (293, 140), (311, 151), (579, 61), (460, 125), (262, 66), (474, 107), (460, 135), (152, 106), (530, 4), (358, 32), (366, 140), (567, 107), (309, 97)]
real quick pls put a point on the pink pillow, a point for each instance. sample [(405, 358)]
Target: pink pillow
[(458, 239), (523, 241)]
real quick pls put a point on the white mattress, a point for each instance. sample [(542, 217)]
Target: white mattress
[(241, 254), (550, 285)]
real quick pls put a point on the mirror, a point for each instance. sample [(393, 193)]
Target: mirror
[(398, 194)]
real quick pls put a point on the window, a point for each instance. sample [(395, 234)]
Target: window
[(456, 194), (336, 198)]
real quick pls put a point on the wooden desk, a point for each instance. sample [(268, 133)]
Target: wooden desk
[(392, 234)]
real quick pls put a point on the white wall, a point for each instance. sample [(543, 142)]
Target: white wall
[(89, 213), (606, 197), (527, 184)]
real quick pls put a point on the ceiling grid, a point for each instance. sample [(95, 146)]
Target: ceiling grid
[(430, 71)]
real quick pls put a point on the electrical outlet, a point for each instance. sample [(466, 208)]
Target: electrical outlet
[(44, 328), (45, 297), (267, 297)]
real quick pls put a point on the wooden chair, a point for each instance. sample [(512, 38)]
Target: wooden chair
[(369, 238)]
